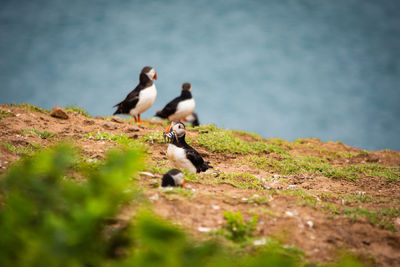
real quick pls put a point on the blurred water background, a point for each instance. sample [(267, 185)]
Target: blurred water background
[(280, 68)]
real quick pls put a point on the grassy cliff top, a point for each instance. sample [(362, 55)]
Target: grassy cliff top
[(320, 197)]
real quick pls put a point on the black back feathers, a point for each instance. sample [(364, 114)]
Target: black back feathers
[(172, 106), (171, 178)]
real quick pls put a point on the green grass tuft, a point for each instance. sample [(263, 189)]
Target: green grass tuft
[(381, 217), (239, 180), (21, 150), (255, 136), (41, 134), (29, 107), (217, 140), (153, 137), (79, 110), (316, 165), (122, 139), (5, 113)]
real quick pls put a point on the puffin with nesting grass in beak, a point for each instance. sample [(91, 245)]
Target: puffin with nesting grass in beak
[(180, 153), (173, 177), (180, 107), (142, 97)]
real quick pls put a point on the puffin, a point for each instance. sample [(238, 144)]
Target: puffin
[(193, 119), (142, 97), (180, 153), (173, 177), (180, 107)]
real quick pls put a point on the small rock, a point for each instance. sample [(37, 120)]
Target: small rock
[(110, 126), (215, 207), (289, 213), (155, 197), (165, 189), (133, 129), (259, 242), (366, 242), (291, 186), (59, 113), (147, 174), (88, 122), (204, 229), (117, 119), (135, 136), (98, 118), (310, 224), (276, 176)]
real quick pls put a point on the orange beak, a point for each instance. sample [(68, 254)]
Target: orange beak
[(168, 129), (183, 183), (155, 76)]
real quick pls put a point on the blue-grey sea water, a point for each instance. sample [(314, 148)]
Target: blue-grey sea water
[(280, 68)]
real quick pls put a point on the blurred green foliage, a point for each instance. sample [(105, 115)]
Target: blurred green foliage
[(49, 219), (236, 229)]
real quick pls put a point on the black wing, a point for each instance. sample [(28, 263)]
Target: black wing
[(169, 109), (130, 101), (196, 159)]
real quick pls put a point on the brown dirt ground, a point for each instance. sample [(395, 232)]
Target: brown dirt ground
[(282, 217)]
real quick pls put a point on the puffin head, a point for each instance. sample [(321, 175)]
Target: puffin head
[(175, 130), (187, 87), (173, 177), (149, 72)]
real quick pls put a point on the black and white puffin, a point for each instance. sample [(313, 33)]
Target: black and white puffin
[(173, 177), (180, 153), (193, 119), (142, 97), (179, 107)]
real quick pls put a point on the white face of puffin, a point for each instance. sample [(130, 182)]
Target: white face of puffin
[(152, 75), (178, 179), (176, 129)]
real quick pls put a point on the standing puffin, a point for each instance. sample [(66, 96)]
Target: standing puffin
[(180, 153), (173, 177), (193, 119), (142, 97), (179, 107)]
